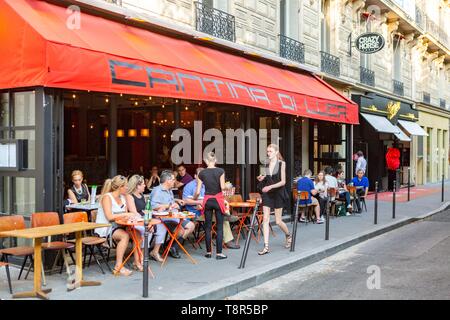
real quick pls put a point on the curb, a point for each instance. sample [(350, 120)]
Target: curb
[(226, 288)]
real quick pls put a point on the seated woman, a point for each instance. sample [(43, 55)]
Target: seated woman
[(136, 203), (153, 181), (342, 190), (321, 185), (112, 207), (79, 191)]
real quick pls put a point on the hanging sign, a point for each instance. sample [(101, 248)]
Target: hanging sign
[(369, 42)]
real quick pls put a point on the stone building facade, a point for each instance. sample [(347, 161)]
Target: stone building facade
[(318, 35)]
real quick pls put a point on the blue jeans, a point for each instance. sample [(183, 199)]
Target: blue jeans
[(345, 195)]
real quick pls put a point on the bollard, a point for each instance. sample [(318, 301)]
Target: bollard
[(327, 224), (393, 200), (409, 183), (145, 275), (442, 196), (294, 227), (249, 235), (375, 213)]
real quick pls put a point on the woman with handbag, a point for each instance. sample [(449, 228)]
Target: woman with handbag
[(274, 194)]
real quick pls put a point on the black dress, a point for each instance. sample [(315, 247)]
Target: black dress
[(275, 198), (140, 204), (84, 195)]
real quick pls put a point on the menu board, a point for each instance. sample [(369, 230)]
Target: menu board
[(13, 157), (8, 155)]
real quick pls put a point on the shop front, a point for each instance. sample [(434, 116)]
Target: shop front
[(387, 124), (106, 99), (433, 149)]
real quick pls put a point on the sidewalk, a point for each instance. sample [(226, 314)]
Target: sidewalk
[(217, 279)]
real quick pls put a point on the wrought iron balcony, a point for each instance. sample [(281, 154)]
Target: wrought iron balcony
[(398, 87), (367, 76), (330, 64), (442, 103), (292, 49), (426, 97), (215, 22)]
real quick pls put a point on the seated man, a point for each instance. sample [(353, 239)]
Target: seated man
[(362, 187), (339, 185), (182, 178), (306, 184), (162, 199), (195, 207)]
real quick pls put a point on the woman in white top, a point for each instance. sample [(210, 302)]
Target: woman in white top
[(112, 207), (321, 185)]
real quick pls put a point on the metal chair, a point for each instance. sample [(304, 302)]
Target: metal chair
[(15, 222), (6, 265), (89, 242), (254, 196), (46, 219)]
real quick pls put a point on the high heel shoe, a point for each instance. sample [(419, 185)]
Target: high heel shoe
[(288, 241), (265, 250)]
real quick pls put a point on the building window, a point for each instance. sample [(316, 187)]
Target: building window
[(397, 60), (289, 19), (325, 26), (18, 121)]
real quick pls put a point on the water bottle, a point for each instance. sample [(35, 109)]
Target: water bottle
[(147, 212)]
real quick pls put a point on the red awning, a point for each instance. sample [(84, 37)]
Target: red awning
[(39, 49)]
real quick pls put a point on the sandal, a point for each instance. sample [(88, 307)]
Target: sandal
[(122, 272), (139, 268), (288, 241), (265, 250)]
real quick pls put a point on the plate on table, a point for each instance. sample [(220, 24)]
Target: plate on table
[(160, 213)]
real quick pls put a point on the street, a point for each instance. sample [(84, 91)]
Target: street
[(412, 262)]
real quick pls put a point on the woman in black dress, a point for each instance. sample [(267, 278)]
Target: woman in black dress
[(79, 191), (274, 194), (214, 180)]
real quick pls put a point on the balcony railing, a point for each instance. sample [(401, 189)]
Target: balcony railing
[(442, 103), (367, 76), (426, 97), (398, 87), (292, 49), (330, 64), (214, 22)]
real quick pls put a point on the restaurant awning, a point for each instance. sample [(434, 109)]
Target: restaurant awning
[(401, 135), (42, 45), (413, 128), (381, 124)]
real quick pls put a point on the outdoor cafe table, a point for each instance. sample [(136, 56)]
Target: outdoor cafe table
[(41, 232), (173, 236), (88, 207), (247, 207), (131, 224)]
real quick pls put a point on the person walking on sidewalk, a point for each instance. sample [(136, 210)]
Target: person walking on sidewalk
[(214, 180), (274, 194)]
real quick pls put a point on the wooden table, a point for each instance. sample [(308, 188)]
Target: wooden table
[(41, 232), (243, 205)]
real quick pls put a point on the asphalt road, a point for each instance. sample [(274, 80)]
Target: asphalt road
[(412, 262)]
